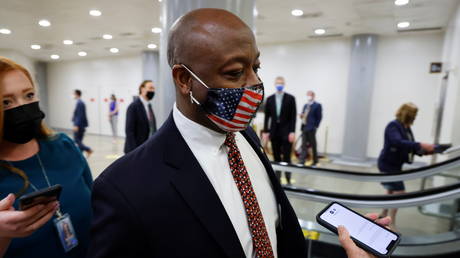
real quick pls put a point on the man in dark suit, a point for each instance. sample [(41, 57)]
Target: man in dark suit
[(140, 119), (183, 180), (80, 122), (279, 124), (311, 118), (199, 188)]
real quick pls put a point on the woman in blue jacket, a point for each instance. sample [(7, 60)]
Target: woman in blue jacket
[(32, 157), (399, 148)]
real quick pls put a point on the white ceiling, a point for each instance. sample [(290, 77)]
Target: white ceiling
[(130, 22)]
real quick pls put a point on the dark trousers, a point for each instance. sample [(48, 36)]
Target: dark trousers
[(78, 137), (281, 152), (308, 138)]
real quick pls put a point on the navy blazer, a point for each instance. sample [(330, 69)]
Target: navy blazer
[(137, 127), (157, 201), (79, 115), (287, 117), (397, 147), (314, 117)]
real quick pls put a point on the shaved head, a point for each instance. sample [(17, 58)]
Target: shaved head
[(198, 31), (219, 48)]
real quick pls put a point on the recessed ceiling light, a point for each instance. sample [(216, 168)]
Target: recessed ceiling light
[(107, 36), (320, 31), (297, 12), (152, 46), (82, 53), (156, 30), (44, 23), (5, 31), (95, 13), (67, 42), (54, 57), (35, 46), (160, 1), (114, 50), (403, 25), (401, 2)]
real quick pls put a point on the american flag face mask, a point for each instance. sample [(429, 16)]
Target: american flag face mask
[(231, 109)]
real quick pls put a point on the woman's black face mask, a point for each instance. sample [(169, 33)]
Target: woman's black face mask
[(22, 124)]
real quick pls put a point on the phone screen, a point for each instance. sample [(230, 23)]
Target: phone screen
[(363, 230)]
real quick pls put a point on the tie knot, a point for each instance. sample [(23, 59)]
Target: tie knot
[(230, 140)]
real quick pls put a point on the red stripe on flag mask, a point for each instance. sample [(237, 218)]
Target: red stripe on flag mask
[(231, 109)]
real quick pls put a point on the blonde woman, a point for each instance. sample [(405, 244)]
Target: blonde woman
[(399, 148), (32, 158)]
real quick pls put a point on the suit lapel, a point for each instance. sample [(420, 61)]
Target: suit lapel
[(284, 104), (193, 185)]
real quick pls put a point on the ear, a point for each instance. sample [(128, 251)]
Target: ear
[(182, 79)]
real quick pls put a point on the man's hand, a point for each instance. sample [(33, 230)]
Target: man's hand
[(291, 137), (352, 250), (75, 129), (23, 223), (265, 137)]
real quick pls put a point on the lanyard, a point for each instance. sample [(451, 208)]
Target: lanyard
[(45, 175)]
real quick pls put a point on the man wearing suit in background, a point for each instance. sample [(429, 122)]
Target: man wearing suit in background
[(311, 118), (80, 122), (279, 124), (140, 119), (200, 187)]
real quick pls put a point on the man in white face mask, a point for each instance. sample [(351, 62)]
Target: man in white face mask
[(311, 118)]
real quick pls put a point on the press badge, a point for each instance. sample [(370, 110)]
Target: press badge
[(66, 233)]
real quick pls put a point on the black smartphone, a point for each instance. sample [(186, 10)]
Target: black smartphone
[(367, 234), (42, 196)]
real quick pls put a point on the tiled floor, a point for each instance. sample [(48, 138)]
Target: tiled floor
[(409, 220)]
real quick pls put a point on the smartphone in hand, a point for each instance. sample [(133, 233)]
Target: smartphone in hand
[(367, 234), (42, 196)]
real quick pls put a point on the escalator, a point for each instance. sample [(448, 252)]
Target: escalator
[(441, 240)]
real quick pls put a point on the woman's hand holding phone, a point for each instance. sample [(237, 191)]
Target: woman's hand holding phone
[(15, 223), (352, 250)]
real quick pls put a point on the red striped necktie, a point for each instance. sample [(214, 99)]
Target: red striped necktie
[(256, 223)]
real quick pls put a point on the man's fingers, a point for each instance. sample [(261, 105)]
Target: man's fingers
[(384, 221), (372, 216), (7, 202)]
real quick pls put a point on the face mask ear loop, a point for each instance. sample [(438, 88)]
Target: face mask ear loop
[(192, 99)]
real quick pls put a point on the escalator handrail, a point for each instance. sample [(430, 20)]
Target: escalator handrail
[(370, 177), (411, 199)]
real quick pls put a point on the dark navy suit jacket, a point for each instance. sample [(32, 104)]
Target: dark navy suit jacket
[(157, 201), (79, 115), (137, 126), (287, 117), (397, 147), (314, 116)]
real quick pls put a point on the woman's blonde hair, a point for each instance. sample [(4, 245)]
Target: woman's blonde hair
[(7, 65), (406, 113)]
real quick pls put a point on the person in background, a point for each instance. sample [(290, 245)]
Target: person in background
[(311, 118), (399, 148), (80, 122), (113, 116), (140, 118), (279, 124), (33, 157)]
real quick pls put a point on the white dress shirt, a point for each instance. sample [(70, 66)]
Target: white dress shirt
[(208, 148), (146, 105)]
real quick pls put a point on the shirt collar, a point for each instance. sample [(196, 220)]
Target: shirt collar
[(145, 102), (197, 135)]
